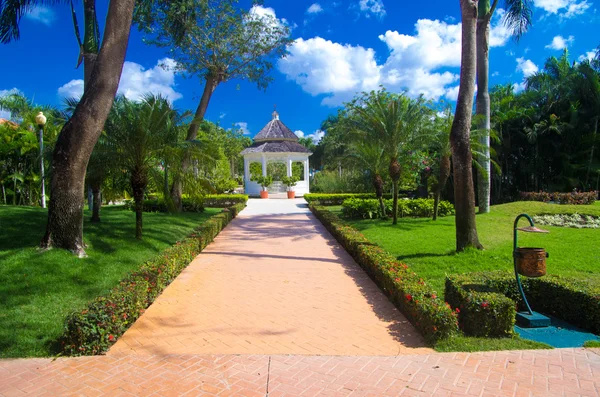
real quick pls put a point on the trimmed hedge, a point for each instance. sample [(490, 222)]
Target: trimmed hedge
[(561, 198), (369, 208), (213, 201), (95, 328), (224, 200), (411, 295), (573, 300), (336, 198)]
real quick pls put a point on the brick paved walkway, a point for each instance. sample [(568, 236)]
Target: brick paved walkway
[(273, 282), (560, 372)]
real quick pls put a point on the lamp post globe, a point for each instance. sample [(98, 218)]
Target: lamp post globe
[(40, 120)]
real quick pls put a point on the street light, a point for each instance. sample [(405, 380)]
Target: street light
[(40, 120)]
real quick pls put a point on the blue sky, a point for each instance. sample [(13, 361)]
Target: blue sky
[(342, 47)]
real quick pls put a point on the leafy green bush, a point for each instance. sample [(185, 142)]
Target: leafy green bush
[(95, 328), (334, 198), (224, 200), (413, 297), (349, 182), (481, 310), (193, 205), (369, 208), (561, 198), (573, 300)]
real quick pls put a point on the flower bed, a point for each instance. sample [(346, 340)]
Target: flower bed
[(411, 295), (95, 328), (569, 220), (369, 208), (561, 198), (573, 300)]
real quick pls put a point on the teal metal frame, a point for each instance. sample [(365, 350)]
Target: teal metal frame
[(515, 239)]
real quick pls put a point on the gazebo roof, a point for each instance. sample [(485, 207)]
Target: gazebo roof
[(275, 137)]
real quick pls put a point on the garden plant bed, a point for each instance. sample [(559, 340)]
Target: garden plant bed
[(39, 289)]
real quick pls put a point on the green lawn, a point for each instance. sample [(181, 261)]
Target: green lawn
[(38, 289), (428, 246)]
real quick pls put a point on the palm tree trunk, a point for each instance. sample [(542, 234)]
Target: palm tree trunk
[(394, 170), (177, 188), (482, 110), (443, 178), (464, 196), (139, 181), (79, 135), (96, 200), (3, 194), (378, 184), (14, 191)]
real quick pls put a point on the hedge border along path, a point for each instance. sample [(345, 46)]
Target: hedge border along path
[(98, 326), (412, 296), (487, 301)]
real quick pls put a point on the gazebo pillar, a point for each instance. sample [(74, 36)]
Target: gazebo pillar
[(306, 173), (289, 166), (264, 165), (246, 169)]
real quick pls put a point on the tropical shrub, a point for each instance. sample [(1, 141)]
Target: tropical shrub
[(576, 301), (335, 198), (95, 328), (193, 205), (569, 220), (333, 182), (369, 208), (561, 198), (411, 295)]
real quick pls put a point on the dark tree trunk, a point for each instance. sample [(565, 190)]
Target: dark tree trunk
[(482, 110), (464, 196), (443, 178), (395, 170), (423, 191), (139, 181), (378, 184), (79, 135), (96, 200), (177, 188), (591, 161)]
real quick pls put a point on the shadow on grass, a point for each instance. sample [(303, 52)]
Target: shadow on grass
[(425, 255)]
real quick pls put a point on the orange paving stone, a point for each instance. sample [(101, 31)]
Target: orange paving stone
[(559, 372), (273, 282)]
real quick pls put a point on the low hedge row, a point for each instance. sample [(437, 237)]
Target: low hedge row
[(573, 300), (95, 328), (213, 201), (411, 295), (561, 198), (337, 198), (370, 208)]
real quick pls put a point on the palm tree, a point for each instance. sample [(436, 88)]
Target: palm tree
[(518, 20), (394, 120), (369, 154), (137, 133), (589, 92), (464, 196)]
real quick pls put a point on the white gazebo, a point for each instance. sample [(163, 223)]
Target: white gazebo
[(276, 143)]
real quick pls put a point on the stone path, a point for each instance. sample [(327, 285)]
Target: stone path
[(275, 308), (273, 282)]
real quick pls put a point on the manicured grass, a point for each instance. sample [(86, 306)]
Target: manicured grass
[(592, 343), (472, 344), (38, 289), (428, 246)]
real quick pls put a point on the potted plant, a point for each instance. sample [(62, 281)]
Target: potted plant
[(264, 182), (290, 182)]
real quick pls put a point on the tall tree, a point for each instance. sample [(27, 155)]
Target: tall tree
[(518, 19), (464, 196), (223, 42)]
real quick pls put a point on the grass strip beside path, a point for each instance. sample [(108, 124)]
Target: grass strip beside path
[(38, 289)]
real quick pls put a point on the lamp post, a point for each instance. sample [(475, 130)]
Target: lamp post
[(40, 120)]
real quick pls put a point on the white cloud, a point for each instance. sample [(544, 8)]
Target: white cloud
[(567, 8), (559, 42), (452, 93), (315, 136), (518, 87), (587, 56), (41, 14), (243, 126), (5, 114), (314, 9), (222, 115), (526, 66), (495, 74), (374, 7), (419, 64), (299, 133), (136, 82)]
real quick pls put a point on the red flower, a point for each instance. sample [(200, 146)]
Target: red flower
[(111, 337), (433, 296), (408, 297), (457, 310), (398, 279), (484, 304)]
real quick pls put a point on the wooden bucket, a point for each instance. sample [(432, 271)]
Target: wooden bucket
[(531, 262)]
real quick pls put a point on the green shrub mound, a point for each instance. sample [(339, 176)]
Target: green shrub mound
[(411, 295), (95, 328), (210, 201), (337, 198), (370, 208), (576, 301), (561, 198)]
